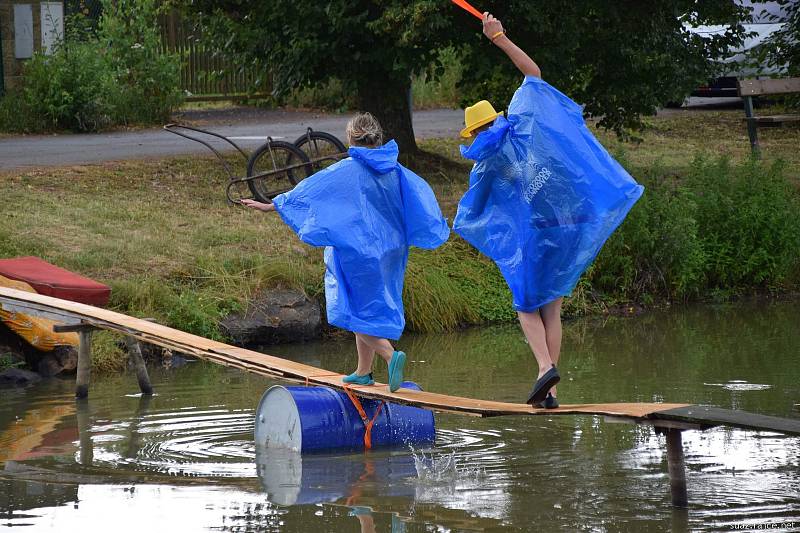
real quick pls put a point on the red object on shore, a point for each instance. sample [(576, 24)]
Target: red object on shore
[(51, 280), (463, 4)]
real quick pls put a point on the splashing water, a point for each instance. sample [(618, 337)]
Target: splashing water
[(445, 467)]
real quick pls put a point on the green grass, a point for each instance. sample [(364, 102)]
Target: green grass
[(8, 360), (162, 235)]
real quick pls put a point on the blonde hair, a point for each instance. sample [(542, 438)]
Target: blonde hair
[(364, 130)]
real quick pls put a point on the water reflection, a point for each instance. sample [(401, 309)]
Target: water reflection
[(290, 478), (185, 458)]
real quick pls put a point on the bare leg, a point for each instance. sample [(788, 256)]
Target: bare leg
[(551, 318), (367, 523), (366, 354), (533, 328), (371, 346)]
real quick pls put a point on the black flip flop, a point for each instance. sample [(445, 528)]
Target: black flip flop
[(543, 386), (551, 402)]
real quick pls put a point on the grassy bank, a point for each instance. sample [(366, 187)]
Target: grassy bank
[(161, 234)]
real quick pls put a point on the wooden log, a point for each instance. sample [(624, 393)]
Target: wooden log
[(84, 364), (135, 356), (677, 468)]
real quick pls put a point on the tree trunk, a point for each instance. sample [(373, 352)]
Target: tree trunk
[(388, 99)]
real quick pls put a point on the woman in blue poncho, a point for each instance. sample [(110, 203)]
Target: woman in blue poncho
[(366, 211), (543, 197)]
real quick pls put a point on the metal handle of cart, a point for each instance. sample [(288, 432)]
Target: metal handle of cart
[(310, 164), (175, 128), (262, 175)]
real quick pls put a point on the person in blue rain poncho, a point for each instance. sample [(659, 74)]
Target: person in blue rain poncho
[(366, 211), (543, 198)]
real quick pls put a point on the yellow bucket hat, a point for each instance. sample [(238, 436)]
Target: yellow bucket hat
[(476, 116)]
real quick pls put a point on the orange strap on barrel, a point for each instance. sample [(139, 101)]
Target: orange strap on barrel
[(364, 418)]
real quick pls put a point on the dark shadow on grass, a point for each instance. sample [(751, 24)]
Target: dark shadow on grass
[(436, 167)]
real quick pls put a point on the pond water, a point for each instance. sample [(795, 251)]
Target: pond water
[(184, 460)]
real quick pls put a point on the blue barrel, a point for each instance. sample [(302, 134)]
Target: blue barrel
[(308, 419)]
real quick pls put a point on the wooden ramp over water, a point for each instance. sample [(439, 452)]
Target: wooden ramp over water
[(80, 317)]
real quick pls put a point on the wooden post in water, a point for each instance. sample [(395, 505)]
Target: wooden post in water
[(676, 467), (84, 420), (84, 355), (135, 355), (84, 364)]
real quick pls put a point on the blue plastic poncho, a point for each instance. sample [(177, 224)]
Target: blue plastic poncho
[(366, 210), (543, 195)]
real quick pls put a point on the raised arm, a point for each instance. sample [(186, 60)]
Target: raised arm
[(493, 29)]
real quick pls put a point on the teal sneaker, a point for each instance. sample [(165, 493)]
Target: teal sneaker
[(360, 510), (396, 365), (355, 379)]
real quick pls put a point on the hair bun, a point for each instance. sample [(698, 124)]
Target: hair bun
[(364, 130)]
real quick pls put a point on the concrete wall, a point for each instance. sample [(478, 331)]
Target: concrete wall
[(12, 67)]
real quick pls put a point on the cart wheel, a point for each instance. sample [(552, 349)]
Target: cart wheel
[(317, 145), (285, 163)]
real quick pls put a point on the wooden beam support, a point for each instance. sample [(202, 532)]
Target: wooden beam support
[(752, 127), (84, 364), (135, 356), (73, 328)]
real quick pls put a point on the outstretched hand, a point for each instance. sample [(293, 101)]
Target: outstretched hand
[(254, 204), (491, 26)]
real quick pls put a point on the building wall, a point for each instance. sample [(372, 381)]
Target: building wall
[(12, 67)]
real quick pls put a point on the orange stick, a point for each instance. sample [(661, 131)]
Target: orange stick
[(463, 4)]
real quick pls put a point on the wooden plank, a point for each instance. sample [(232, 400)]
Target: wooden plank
[(753, 87), (272, 366), (701, 414), (268, 365), (773, 119), (37, 310)]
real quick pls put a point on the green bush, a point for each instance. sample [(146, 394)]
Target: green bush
[(656, 250), (147, 79), (70, 89), (438, 85), (749, 220), (115, 74), (722, 229)]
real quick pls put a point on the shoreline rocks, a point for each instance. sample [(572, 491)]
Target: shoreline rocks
[(275, 317)]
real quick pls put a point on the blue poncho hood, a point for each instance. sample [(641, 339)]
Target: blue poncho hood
[(366, 211), (382, 159), (544, 195)]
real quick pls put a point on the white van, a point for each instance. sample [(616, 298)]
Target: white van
[(767, 18)]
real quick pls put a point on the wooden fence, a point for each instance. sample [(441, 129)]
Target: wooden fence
[(204, 74)]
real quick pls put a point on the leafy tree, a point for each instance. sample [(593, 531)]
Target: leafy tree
[(782, 50), (621, 59)]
